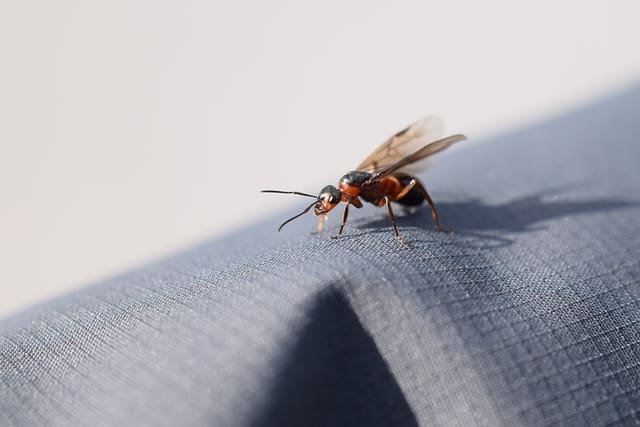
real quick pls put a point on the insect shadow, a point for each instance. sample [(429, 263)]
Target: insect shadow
[(475, 218)]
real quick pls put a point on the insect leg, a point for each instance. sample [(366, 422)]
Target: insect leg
[(345, 214), (321, 221), (393, 222), (434, 213), (405, 190)]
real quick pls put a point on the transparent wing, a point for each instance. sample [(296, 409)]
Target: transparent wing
[(422, 153), (403, 143)]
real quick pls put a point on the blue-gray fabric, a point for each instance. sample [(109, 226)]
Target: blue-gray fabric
[(527, 315)]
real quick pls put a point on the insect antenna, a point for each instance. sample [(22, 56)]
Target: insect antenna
[(296, 216), (288, 192)]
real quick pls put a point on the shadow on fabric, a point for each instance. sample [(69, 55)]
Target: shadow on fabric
[(473, 216), (335, 375), (524, 213)]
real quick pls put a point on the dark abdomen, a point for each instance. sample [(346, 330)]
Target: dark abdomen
[(413, 197)]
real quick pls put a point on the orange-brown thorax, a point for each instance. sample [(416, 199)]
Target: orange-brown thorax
[(387, 187), (374, 192), (351, 190)]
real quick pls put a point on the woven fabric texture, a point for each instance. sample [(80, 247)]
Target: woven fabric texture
[(527, 315)]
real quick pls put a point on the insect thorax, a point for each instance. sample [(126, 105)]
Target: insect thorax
[(355, 178)]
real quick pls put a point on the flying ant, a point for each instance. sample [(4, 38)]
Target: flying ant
[(387, 175)]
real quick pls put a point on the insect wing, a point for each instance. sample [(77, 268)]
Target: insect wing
[(402, 144), (422, 153)]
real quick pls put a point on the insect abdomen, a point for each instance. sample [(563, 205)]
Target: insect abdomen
[(414, 197)]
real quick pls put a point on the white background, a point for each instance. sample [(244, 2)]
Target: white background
[(130, 129)]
